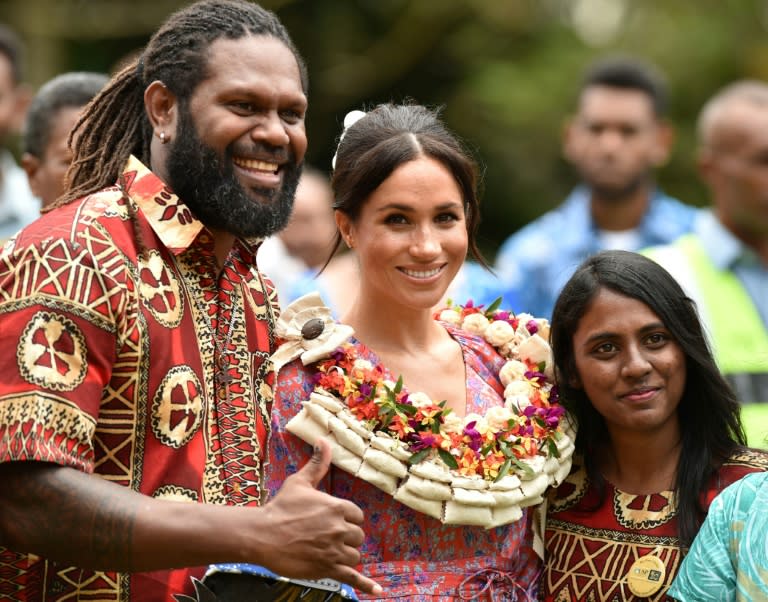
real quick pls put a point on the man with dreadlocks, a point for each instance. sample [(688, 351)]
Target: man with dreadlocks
[(136, 331)]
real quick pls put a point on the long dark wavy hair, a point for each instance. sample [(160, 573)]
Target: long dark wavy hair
[(710, 425)]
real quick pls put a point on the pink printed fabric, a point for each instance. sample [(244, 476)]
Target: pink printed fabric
[(411, 555)]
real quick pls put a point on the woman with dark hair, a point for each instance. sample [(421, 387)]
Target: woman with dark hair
[(406, 204), (659, 432)]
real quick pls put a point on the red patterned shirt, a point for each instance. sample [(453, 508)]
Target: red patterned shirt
[(127, 353)]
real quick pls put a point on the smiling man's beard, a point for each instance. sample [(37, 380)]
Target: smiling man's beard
[(209, 188)]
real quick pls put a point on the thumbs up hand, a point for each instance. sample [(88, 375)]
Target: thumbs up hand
[(317, 467), (317, 535)]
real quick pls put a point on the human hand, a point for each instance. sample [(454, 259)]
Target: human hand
[(314, 534)]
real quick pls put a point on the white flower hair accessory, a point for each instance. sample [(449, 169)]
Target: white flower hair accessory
[(350, 119)]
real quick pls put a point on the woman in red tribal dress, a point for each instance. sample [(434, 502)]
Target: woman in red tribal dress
[(659, 433)]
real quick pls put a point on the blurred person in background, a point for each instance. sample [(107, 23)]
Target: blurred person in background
[(18, 206), (302, 257), (52, 114), (723, 263), (616, 140), (311, 231)]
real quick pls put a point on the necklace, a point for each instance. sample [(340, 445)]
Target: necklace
[(475, 470), (222, 376)]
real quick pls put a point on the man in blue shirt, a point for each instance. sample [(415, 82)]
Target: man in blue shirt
[(616, 140)]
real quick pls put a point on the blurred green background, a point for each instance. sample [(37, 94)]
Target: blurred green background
[(506, 71)]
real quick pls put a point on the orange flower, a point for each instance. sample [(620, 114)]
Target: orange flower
[(427, 414), (492, 463), (469, 462), (399, 427), (365, 411)]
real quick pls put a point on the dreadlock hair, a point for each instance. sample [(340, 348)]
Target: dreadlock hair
[(115, 125)]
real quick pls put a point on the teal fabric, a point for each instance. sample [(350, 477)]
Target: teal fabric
[(729, 557)]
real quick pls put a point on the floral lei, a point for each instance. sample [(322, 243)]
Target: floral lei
[(488, 446), (476, 470)]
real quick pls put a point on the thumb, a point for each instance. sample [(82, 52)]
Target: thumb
[(314, 470)]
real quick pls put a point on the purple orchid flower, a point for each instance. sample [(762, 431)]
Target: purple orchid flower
[(475, 438), (423, 441), (535, 376)]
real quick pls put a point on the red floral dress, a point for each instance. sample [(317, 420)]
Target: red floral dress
[(411, 555)]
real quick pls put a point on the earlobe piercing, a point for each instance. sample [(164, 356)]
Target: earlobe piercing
[(163, 139)]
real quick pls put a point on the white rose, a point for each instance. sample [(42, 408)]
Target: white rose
[(543, 328), (510, 349), (450, 316), (420, 399), (362, 364), (499, 332), (518, 402), (522, 320), (512, 371), (475, 323), (518, 395), (453, 423), (549, 369), (536, 350), (498, 418), (518, 387)]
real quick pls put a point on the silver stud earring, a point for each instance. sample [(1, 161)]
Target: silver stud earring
[(163, 139)]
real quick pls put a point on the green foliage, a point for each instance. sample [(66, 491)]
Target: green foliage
[(446, 457), (419, 456)]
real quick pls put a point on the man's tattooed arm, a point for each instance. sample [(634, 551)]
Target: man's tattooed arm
[(66, 515)]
